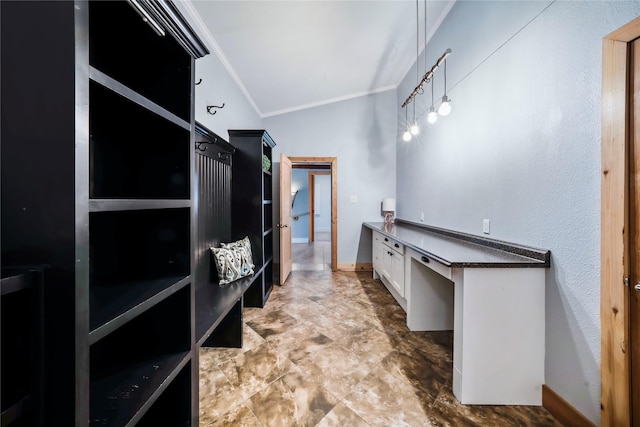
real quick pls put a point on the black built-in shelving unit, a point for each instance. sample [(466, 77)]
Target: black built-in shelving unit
[(97, 184), (252, 205), (22, 340), (218, 308)]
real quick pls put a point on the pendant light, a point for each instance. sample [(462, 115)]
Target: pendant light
[(432, 117), (445, 106), (406, 136), (414, 127)]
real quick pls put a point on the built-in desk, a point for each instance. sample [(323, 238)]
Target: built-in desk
[(490, 292)]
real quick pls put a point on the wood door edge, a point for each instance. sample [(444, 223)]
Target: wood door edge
[(616, 409)]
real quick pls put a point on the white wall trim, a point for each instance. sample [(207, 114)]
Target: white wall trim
[(187, 9)]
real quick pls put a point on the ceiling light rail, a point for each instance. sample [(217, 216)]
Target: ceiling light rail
[(427, 77)]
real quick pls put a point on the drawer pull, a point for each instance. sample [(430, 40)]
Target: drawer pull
[(396, 245), (390, 253), (424, 259), (386, 240)]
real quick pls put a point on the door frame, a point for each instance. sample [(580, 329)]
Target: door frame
[(312, 203), (615, 366), (333, 161)]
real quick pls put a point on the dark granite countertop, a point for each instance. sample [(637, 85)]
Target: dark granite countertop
[(456, 250)]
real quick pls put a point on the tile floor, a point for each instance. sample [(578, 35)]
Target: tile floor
[(312, 256), (333, 349)]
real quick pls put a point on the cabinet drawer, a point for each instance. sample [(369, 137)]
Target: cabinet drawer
[(377, 237), (434, 265), (398, 247)]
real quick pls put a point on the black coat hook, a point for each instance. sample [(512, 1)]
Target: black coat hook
[(199, 81), (201, 148), (209, 107)]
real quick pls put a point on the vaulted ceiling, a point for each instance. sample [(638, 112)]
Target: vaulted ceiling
[(288, 55)]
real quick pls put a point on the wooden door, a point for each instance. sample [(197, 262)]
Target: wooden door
[(285, 218), (620, 228), (634, 223)]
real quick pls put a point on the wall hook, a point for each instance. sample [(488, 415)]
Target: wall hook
[(209, 107), (198, 82), (201, 148)]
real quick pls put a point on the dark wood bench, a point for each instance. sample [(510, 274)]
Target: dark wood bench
[(218, 308)]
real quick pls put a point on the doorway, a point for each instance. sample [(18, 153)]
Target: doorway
[(311, 214), (314, 213), (620, 228)]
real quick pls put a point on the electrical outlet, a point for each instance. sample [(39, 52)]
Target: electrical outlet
[(486, 226), (422, 216)]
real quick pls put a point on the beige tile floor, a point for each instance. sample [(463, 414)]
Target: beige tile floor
[(312, 256), (333, 349)]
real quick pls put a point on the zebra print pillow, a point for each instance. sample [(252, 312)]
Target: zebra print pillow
[(233, 260)]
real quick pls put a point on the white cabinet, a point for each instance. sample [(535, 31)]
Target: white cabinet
[(393, 266), (388, 265), (377, 254), (490, 297)]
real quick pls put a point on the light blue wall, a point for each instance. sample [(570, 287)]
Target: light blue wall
[(522, 148), (322, 214), (300, 228), (361, 133), (217, 88)]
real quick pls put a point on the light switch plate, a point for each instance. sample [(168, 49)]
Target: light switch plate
[(486, 226), (353, 199)]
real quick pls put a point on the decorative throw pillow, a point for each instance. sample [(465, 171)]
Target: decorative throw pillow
[(233, 260)]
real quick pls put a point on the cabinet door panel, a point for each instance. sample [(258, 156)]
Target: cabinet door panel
[(397, 272), (377, 254)]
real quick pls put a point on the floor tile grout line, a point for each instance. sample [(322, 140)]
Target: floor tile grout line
[(371, 293)]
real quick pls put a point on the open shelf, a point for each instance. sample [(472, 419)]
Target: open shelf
[(254, 296), (252, 204), (214, 302), (173, 408), (268, 276), (267, 186), (22, 351), (17, 336), (268, 217), (112, 306), (98, 196), (133, 365), (133, 256), (144, 156), (268, 244), (122, 46), (14, 280)]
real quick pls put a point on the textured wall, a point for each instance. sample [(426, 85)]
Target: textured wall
[(217, 88), (361, 133), (322, 203), (522, 148), (300, 228)]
